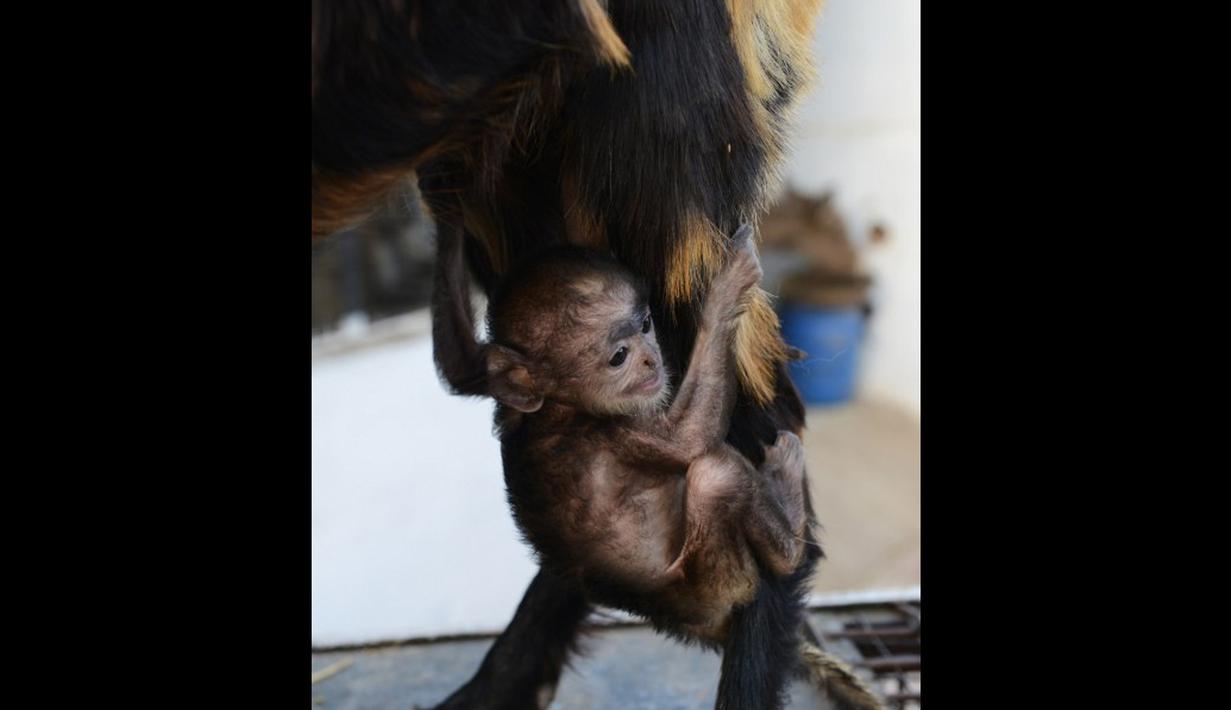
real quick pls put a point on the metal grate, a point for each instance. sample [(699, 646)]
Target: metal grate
[(882, 640)]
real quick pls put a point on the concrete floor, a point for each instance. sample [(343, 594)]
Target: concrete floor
[(627, 668), (863, 471)]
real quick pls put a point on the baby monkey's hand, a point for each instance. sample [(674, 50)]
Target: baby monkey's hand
[(745, 264), (729, 290)]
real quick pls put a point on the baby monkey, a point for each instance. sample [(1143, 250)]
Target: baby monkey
[(630, 491)]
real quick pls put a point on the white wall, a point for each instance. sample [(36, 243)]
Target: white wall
[(411, 534), (857, 133)]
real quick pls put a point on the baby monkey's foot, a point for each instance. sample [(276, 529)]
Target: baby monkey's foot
[(776, 524), (783, 473)]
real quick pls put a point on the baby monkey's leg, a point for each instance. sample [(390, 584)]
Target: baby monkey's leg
[(724, 492), (775, 522), (717, 485)]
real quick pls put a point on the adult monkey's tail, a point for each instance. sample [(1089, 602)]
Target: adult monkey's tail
[(830, 675)]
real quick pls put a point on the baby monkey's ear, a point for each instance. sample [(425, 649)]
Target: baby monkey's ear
[(509, 380)]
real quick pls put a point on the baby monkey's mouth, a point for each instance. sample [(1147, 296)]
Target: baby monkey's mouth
[(650, 384)]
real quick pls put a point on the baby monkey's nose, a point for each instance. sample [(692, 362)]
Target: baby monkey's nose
[(649, 363)]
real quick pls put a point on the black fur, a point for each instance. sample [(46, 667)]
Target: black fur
[(769, 624), (367, 115), (531, 652)]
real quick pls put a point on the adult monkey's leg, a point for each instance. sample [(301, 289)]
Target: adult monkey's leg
[(762, 647), (523, 666)]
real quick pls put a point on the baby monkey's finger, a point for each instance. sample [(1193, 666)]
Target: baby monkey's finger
[(742, 236)]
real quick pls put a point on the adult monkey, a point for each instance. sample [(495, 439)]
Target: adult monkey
[(650, 128)]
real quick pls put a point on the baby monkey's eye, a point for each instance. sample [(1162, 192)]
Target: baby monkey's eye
[(618, 358), (645, 327)]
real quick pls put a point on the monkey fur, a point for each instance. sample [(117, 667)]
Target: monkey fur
[(649, 129)]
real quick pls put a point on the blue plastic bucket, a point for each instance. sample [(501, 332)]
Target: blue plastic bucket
[(831, 339)]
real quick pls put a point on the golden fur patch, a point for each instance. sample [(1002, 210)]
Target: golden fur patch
[(696, 260), (788, 24), (759, 348), (761, 29), (610, 46), (758, 340)]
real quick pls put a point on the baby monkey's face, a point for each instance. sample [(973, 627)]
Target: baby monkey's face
[(622, 367)]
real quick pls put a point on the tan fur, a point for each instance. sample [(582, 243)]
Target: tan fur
[(758, 341), (830, 674), (610, 47), (695, 262), (790, 23), (743, 35), (759, 348)]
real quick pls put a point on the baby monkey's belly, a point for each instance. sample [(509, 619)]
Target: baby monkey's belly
[(648, 560), (635, 530)]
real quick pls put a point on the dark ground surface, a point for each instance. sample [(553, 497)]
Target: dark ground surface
[(622, 667)]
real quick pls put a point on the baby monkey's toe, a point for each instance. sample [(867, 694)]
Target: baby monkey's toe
[(786, 456)]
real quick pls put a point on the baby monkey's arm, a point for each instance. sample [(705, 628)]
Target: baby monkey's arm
[(458, 353), (698, 417)]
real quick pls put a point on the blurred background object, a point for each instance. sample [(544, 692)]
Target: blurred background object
[(381, 269), (411, 533), (813, 228), (857, 136), (823, 300)]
